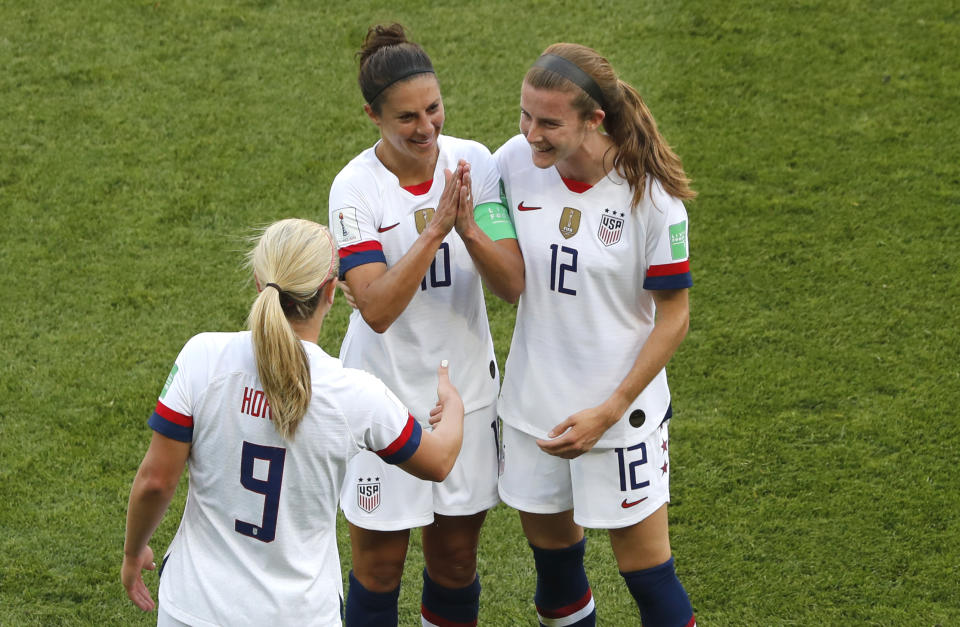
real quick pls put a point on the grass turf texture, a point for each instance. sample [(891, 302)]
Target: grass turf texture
[(816, 435)]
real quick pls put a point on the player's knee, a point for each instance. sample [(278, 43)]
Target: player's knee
[(456, 569), (378, 575)]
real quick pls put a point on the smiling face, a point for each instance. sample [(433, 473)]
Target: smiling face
[(554, 129), (410, 120)]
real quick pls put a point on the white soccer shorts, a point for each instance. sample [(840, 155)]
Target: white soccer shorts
[(607, 488), (381, 497)]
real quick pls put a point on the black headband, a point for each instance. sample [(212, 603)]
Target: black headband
[(422, 69), (572, 72)]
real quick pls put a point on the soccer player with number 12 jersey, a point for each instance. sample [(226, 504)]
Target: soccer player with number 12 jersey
[(595, 194)]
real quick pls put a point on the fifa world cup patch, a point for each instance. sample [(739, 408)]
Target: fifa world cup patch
[(346, 228), (611, 227), (368, 494), (569, 222), (422, 218), (678, 240)]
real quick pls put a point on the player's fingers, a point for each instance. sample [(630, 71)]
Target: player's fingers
[(466, 190), (450, 196), (455, 177), (443, 371), (137, 597), (145, 602), (146, 559), (561, 428), (138, 594), (552, 447)]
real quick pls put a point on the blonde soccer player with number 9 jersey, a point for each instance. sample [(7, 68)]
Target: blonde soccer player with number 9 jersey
[(266, 421)]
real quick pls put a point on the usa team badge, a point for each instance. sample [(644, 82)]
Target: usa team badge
[(611, 227), (423, 217), (569, 222), (368, 495)]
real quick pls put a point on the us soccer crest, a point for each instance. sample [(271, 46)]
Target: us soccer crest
[(423, 217), (368, 494), (611, 227), (569, 222)]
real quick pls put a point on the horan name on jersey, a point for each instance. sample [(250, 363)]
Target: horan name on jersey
[(255, 404)]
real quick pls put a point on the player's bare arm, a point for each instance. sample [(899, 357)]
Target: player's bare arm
[(500, 262), (440, 447), (152, 491), (381, 293), (581, 431)]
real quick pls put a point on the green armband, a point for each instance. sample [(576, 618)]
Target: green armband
[(494, 220)]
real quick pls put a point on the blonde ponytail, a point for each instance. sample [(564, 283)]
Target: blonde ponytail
[(291, 261)]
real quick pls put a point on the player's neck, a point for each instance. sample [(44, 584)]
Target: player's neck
[(408, 170), (591, 162), (309, 330)]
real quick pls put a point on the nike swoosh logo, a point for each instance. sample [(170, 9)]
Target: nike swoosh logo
[(627, 503), (520, 207), (384, 229)]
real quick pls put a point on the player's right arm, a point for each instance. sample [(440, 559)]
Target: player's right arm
[(152, 491), (159, 473), (382, 424), (381, 293), (438, 450)]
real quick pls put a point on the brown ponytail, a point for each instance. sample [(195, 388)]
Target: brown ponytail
[(296, 258), (641, 149)]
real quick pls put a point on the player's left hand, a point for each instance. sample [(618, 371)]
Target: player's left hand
[(131, 576), (465, 219), (579, 433)]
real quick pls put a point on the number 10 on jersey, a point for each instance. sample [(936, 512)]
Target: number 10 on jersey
[(439, 278)]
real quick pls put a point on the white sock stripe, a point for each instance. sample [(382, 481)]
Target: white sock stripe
[(570, 619)]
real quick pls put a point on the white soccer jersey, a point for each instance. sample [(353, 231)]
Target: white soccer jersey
[(587, 308), (257, 542), (376, 220)]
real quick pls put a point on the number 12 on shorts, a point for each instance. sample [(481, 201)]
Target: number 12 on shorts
[(628, 470), (266, 531)]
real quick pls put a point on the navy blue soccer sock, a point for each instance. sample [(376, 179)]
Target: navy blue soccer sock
[(660, 596), (449, 607), (371, 609), (563, 593)]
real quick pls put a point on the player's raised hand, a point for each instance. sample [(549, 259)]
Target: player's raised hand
[(579, 433), (446, 213), (465, 218), (448, 398), (131, 575)]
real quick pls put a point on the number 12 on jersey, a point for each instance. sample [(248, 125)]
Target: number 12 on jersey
[(557, 272), (266, 531)]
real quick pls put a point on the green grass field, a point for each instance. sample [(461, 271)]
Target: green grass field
[(816, 437)]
